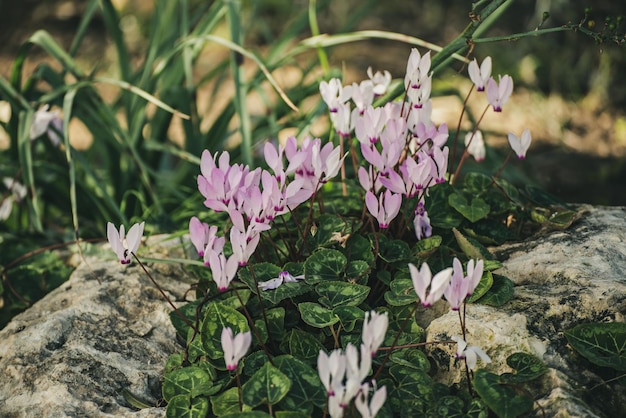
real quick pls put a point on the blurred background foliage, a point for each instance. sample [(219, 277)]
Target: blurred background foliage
[(124, 158)]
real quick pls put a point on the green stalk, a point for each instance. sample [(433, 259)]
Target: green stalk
[(315, 31), (26, 162), (234, 21)]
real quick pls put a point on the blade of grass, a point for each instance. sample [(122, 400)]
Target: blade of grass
[(112, 23), (315, 31), (68, 102), (326, 40), (236, 67), (26, 163), (228, 44), (81, 31)]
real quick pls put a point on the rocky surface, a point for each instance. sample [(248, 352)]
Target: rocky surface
[(107, 331), (78, 350), (562, 279)]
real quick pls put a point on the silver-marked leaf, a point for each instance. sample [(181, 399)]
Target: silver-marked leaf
[(527, 367), (189, 381), (306, 388), (186, 407), (316, 315), (268, 385), (342, 293), (325, 264), (227, 402)]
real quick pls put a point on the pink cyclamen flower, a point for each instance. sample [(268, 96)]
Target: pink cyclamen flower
[(469, 353), (371, 408), (374, 329), (498, 93), (381, 81), (334, 94), (520, 145), (480, 76), (223, 269), (385, 208), (458, 289), (428, 288), (125, 245), (331, 369), (243, 245), (474, 274), (421, 222), (234, 346), (475, 145)]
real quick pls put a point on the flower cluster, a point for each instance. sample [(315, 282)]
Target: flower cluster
[(254, 198), (404, 149), (498, 92), (451, 283), (343, 372), (456, 286)]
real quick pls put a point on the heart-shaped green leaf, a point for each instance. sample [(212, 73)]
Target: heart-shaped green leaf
[(602, 344), (186, 407), (306, 390), (473, 211), (501, 399), (268, 385), (227, 402), (348, 316), (190, 381), (527, 367), (325, 264), (341, 293), (316, 315), (304, 346), (501, 291), (401, 292)]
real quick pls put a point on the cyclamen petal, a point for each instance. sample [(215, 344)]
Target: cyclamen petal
[(234, 346), (480, 76), (125, 245), (520, 145), (423, 282), (498, 93)]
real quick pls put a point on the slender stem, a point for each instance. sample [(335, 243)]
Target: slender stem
[(508, 157), (239, 391), (258, 294), (465, 153), (415, 345), (183, 317), (253, 327), (395, 340), (344, 189), (458, 129)]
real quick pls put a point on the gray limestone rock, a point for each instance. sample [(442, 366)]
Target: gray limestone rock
[(79, 349), (562, 279)]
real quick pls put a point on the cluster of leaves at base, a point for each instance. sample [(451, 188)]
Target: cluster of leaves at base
[(25, 283), (491, 211)]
